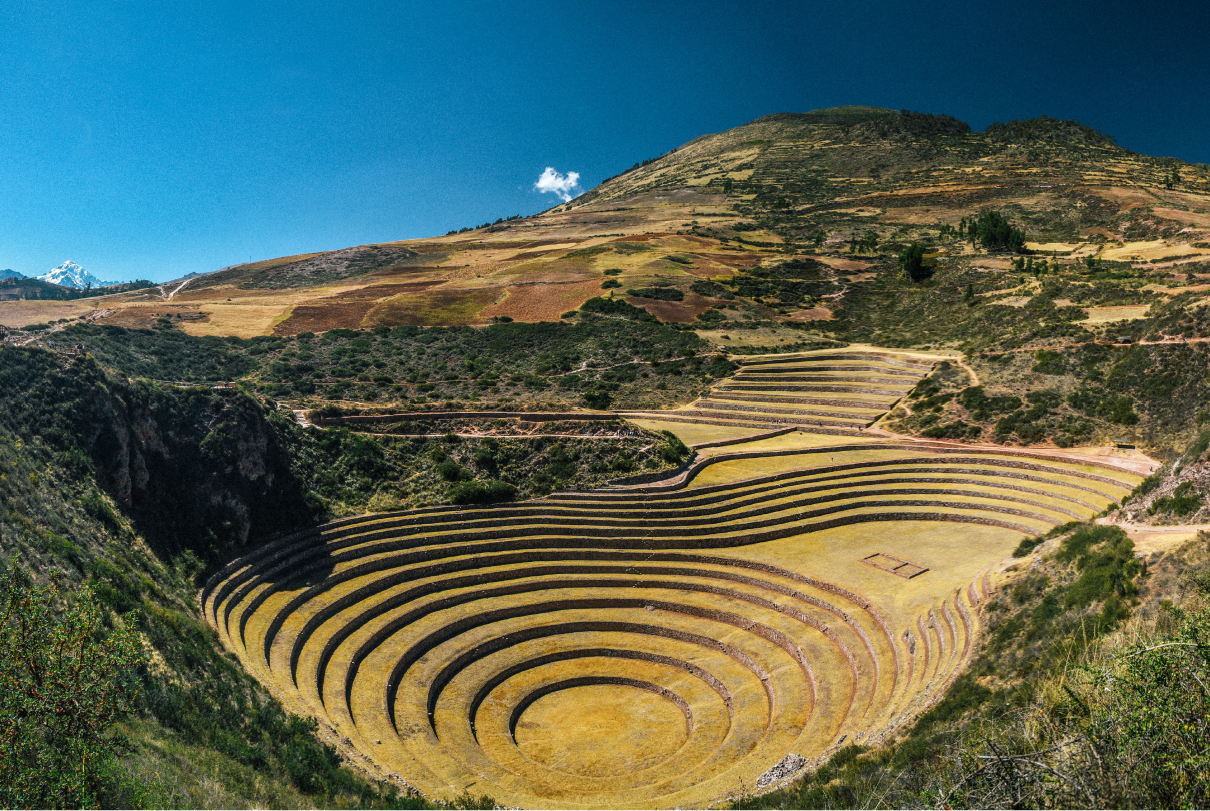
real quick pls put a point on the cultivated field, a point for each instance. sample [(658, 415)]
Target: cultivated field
[(664, 644)]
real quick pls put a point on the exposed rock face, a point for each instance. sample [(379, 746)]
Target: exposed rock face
[(195, 468)]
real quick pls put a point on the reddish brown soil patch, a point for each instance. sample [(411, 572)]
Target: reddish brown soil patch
[(322, 317), (381, 291), (543, 302), (678, 312)]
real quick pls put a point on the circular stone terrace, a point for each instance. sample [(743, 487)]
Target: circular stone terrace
[(659, 645)]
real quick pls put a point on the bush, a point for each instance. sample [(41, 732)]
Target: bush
[(616, 307), (1049, 362), (674, 450), (1181, 503), (912, 262), (482, 492), (1116, 408), (451, 471), (610, 283), (982, 407), (995, 233), (658, 293), (706, 287), (64, 681), (597, 399)]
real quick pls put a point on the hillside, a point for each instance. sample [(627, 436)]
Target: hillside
[(720, 205), (773, 470)]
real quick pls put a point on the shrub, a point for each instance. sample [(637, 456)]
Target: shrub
[(598, 399), (674, 450), (1049, 362), (1116, 408), (912, 262), (451, 471), (658, 293), (482, 492), (610, 283), (616, 307), (995, 233), (64, 681), (982, 407), (1181, 503), (706, 287)]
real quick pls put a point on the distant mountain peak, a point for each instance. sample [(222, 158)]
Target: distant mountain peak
[(8, 273), (70, 274)]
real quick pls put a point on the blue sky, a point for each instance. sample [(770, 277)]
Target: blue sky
[(151, 139)]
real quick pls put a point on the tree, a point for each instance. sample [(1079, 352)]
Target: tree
[(995, 233), (64, 681), (1174, 178), (911, 260)]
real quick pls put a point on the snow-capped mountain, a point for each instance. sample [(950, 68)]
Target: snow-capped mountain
[(11, 274), (69, 274)]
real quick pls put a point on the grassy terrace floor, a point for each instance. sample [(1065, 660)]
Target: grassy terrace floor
[(650, 646), (837, 392)]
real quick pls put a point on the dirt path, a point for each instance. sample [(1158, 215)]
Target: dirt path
[(178, 288), (974, 375), (1131, 527), (497, 436), (1131, 343)]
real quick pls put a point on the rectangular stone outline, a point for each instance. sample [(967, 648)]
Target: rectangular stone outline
[(904, 569)]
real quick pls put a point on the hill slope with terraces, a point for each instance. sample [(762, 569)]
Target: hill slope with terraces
[(783, 185), (762, 459), (750, 621)]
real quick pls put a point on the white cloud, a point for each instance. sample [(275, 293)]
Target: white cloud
[(564, 186)]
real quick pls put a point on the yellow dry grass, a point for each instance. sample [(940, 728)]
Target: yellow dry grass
[(1104, 315), (242, 320), (17, 314)]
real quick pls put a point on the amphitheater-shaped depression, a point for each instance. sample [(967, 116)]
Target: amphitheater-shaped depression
[(654, 646)]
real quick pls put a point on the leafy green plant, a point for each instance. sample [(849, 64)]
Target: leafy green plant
[(1183, 501), (477, 492), (65, 680), (658, 293), (913, 263)]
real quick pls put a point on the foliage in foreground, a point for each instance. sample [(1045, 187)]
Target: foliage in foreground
[(64, 681)]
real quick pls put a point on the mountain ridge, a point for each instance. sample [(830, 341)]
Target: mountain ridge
[(808, 184), (71, 274)]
